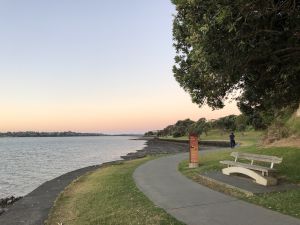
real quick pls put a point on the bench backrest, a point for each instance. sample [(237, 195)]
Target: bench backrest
[(256, 157)]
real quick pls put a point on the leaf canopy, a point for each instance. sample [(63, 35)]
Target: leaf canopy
[(252, 47)]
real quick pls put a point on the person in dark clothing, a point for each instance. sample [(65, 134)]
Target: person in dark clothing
[(232, 141)]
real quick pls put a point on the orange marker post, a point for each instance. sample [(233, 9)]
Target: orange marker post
[(194, 148)]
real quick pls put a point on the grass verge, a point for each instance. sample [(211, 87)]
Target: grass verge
[(246, 138), (287, 202), (107, 196)]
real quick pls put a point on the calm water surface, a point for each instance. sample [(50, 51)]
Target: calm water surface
[(25, 163)]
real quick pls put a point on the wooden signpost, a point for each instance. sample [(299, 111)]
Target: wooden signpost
[(194, 148)]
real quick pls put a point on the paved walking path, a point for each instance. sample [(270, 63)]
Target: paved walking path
[(194, 204)]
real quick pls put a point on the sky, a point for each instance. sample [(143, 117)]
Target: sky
[(91, 66)]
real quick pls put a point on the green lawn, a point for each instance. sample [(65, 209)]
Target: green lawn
[(107, 196), (245, 138), (287, 202), (288, 171)]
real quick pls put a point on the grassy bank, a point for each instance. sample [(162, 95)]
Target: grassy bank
[(107, 196), (287, 202), (245, 138)]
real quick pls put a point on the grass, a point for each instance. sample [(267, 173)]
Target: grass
[(294, 124), (185, 138), (107, 196), (287, 202), (245, 138)]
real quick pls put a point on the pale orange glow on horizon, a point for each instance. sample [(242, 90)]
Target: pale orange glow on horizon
[(90, 70), (130, 115)]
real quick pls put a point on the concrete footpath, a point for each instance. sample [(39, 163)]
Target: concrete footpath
[(195, 204)]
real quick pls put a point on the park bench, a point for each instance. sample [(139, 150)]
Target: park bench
[(259, 173)]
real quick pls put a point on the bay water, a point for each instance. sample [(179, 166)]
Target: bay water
[(27, 162)]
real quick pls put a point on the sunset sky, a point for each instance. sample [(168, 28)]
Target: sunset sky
[(90, 66)]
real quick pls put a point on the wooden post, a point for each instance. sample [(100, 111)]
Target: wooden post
[(194, 148)]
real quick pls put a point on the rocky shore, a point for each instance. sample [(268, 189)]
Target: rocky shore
[(157, 147), (5, 203), (33, 208)]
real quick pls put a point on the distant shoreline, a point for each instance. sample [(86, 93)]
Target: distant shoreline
[(59, 134)]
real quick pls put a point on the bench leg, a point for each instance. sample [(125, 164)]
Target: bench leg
[(259, 179)]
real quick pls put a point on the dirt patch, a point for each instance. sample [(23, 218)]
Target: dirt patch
[(286, 142)]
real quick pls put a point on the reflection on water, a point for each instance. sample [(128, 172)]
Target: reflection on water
[(25, 163)]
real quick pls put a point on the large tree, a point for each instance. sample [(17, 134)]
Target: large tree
[(247, 46)]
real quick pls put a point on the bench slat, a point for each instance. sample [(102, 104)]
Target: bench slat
[(248, 166), (256, 157)]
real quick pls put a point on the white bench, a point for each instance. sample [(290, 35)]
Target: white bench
[(258, 172)]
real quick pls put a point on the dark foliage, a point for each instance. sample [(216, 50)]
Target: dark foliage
[(252, 47)]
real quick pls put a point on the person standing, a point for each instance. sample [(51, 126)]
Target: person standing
[(232, 140)]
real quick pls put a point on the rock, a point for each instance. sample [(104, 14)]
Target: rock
[(2, 211), (8, 201)]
